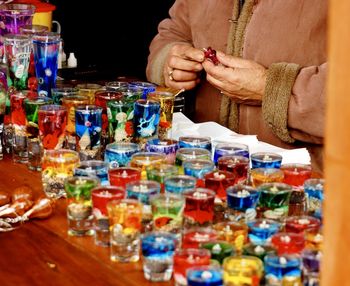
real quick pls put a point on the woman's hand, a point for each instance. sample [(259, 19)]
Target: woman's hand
[(242, 80), (183, 66)]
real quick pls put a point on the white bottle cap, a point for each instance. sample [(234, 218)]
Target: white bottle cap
[(72, 61)]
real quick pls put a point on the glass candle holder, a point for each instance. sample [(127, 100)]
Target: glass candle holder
[(116, 85), (299, 224), (266, 160), (313, 239), (282, 269), (274, 200), (194, 236), (297, 203), (238, 165), (222, 149), (88, 123), (93, 168), (241, 202), (311, 261), (167, 212), (79, 207), (142, 160), (288, 242), (199, 208), (234, 233), (296, 174), (119, 154), (184, 154), (205, 276), (219, 181), (88, 90), (243, 270), (179, 184), (125, 218), (147, 87), (187, 258), (195, 142), (198, 168), (157, 252), (121, 176), (314, 190), (160, 172), (58, 93), (166, 146), (219, 249), (100, 197), (259, 251), (57, 165), (261, 230), (266, 175)]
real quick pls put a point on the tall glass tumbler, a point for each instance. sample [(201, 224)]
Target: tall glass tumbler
[(17, 55), (46, 47)]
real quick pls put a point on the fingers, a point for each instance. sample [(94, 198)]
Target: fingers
[(187, 52), (179, 63)]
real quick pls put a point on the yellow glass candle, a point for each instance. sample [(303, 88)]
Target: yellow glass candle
[(142, 160)]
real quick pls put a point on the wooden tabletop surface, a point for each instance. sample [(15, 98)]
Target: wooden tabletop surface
[(40, 252)]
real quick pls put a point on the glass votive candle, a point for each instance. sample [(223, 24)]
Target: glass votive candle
[(57, 93), (261, 230), (100, 197), (57, 165), (119, 154), (167, 211), (123, 175), (117, 85), (297, 203), (195, 142), (282, 269), (147, 87), (296, 174), (194, 236), (274, 200), (219, 249), (187, 258), (314, 190), (198, 168), (199, 208), (241, 202), (157, 255), (259, 251), (88, 90), (219, 181), (205, 276), (311, 261), (222, 149), (166, 146), (243, 270), (313, 239), (233, 232), (238, 165), (93, 168), (79, 209), (125, 225), (288, 242), (184, 154), (160, 172), (142, 160), (265, 175), (299, 224), (266, 160), (179, 184)]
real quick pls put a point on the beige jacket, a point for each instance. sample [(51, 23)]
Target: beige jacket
[(286, 36)]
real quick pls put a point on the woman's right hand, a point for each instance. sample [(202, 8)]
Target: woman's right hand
[(183, 66)]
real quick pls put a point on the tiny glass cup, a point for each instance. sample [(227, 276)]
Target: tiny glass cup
[(219, 181), (119, 154), (195, 142), (296, 174), (166, 146), (266, 160), (160, 172), (259, 251), (194, 236), (315, 196), (222, 149), (265, 175), (93, 168), (261, 230), (179, 184), (311, 260), (88, 89), (198, 168), (238, 165), (288, 242), (299, 224), (147, 87), (142, 160), (57, 93), (184, 154), (122, 175), (205, 276), (219, 249)]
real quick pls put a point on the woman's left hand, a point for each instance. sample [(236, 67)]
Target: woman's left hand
[(242, 80)]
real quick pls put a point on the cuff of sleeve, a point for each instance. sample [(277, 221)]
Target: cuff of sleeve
[(279, 84)]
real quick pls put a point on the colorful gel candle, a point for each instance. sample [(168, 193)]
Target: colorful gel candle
[(313, 239), (297, 203), (179, 184), (259, 251), (274, 200), (166, 146), (241, 202), (314, 190), (282, 269), (31, 106), (199, 209), (219, 181), (299, 224), (117, 85), (288, 242), (238, 165), (222, 149), (198, 168), (194, 236), (119, 154), (296, 174), (93, 168), (123, 175), (265, 175), (58, 93), (233, 232), (184, 154), (205, 276), (266, 160), (219, 250), (311, 261), (142, 160), (88, 90), (195, 142), (147, 87), (160, 172), (261, 230)]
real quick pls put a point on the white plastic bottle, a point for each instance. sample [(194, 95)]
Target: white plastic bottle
[(72, 61)]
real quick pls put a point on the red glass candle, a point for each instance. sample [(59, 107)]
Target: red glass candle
[(121, 176), (288, 242), (299, 224), (193, 237), (102, 195), (18, 114), (238, 165), (219, 181), (296, 174)]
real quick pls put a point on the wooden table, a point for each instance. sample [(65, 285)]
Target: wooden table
[(40, 252)]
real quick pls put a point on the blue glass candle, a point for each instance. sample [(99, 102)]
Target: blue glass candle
[(166, 146), (282, 269), (195, 142), (261, 230), (198, 168), (158, 252), (93, 168), (205, 276), (142, 190), (147, 87), (241, 202), (119, 154), (314, 191), (266, 160), (184, 154), (179, 184), (222, 149)]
